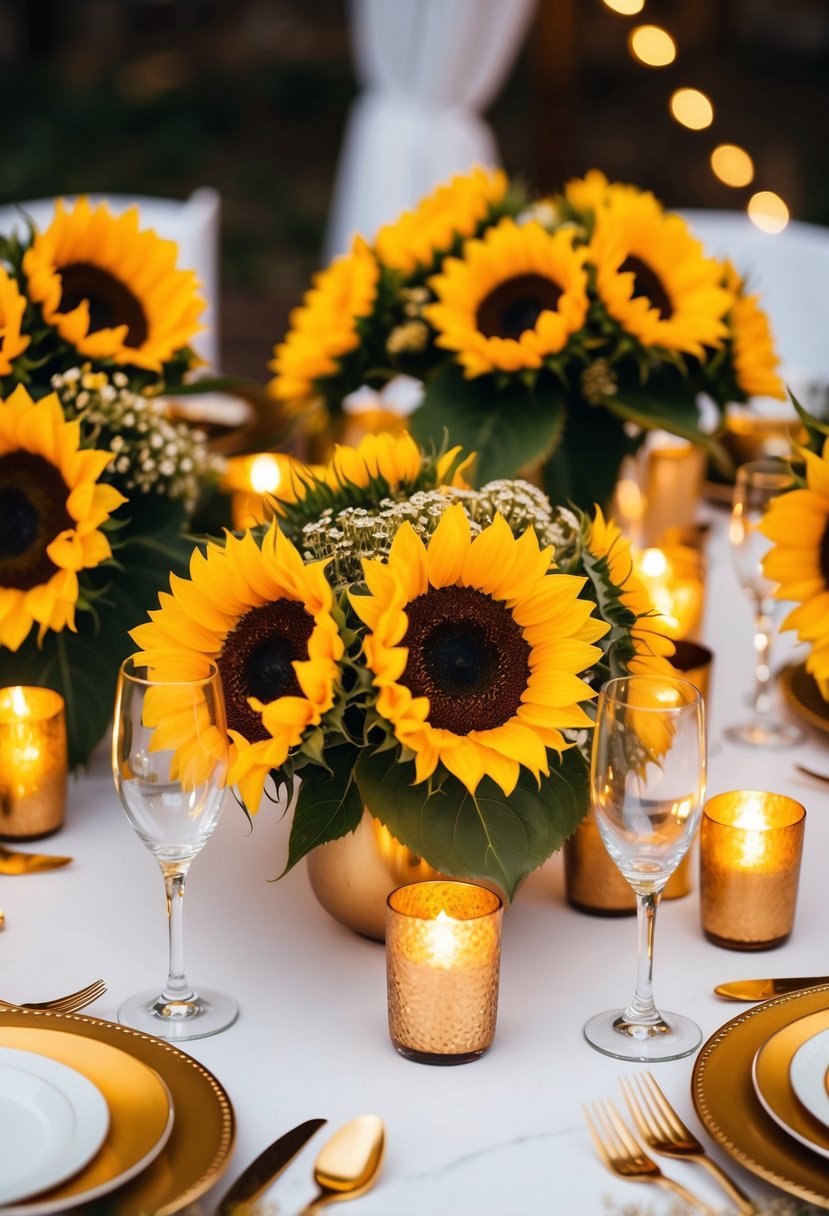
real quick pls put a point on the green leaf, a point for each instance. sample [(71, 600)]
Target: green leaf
[(678, 415), (507, 426), (488, 836), (328, 805)]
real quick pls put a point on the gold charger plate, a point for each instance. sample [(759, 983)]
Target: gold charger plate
[(803, 696), (203, 1133), (771, 1077), (723, 1092)]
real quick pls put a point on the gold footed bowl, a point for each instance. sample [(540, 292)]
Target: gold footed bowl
[(353, 877)]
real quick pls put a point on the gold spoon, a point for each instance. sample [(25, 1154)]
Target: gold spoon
[(349, 1163)]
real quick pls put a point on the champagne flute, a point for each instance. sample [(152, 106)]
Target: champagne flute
[(647, 786), (169, 762), (756, 483)]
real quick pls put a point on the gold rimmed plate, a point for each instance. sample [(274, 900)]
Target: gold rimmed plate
[(803, 696), (174, 1089), (723, 1091), (772, 1066)]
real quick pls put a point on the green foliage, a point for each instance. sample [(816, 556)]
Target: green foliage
[(328, 806), (485, 836), (83, 666), (508, 425)]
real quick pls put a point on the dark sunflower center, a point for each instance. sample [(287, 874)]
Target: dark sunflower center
[(824, 555), (647, 283), (516, 305), (256, 661), (111, 302), (32, 513), (468, 656)]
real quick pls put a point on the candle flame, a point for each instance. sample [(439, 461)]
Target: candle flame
[(19, 703), (443, 944), (265, 474)]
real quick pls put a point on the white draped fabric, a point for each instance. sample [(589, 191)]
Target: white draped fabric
[(427, 68)]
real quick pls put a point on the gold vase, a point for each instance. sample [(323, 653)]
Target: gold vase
[(353, 877)]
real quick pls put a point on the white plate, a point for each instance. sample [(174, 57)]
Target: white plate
[(807, 1073), (54, 1121)]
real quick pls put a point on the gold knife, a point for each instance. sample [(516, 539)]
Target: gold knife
[(12, 862), (266, 1169), (762, 990)]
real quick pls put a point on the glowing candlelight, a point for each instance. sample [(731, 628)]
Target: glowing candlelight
[(33, 762), (750, 850), (673, 579), (251, 479), (443, 950)]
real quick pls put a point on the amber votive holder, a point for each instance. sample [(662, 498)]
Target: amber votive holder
[(33, 762), (443, 957), (751, 844), (594, 884)]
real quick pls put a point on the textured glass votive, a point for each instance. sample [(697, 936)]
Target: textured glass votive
[(593, 882), (32, 762), (750, 849), (443, 955)]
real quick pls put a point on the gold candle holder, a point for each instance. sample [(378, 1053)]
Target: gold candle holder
[(674, 578), (672, 489), (33, 762), (594, 884), (443, 954), (250, 479), (750, 849)]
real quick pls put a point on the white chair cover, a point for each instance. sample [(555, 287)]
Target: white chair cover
[(428, 67), (193, 224)]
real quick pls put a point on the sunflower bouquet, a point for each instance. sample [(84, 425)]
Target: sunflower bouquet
[(797, 523), (396, 640), (555, 331), (97, 478)]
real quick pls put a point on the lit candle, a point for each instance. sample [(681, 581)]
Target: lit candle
[(673, 579), (751, 844), (33, 762), (443, 953), (251, 479)]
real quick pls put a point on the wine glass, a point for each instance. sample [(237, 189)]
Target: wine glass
[(647, 785), (755, 485), (169, 761)]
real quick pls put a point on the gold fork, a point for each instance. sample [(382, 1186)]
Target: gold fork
[(624, 1156), (64, 1004), (662, 1130)]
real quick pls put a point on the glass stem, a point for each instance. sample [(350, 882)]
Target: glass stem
[(177, 987), (763, 629), (642, 1009)]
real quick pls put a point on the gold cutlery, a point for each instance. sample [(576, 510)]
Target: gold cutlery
[(762, 990), (266, 1169), (349, 1163), (71, 1003), (12, 862), (810, 772), (625, 1157), (662, 1130)]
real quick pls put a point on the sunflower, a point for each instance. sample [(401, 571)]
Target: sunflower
[(752, 345), (266, 619), (651, 647), (454, 210), (12, 307), (475, 649), (111, 290), (515, 297), (325, 326), (588, 192), (51, 512), (798, 524), (653, 278)]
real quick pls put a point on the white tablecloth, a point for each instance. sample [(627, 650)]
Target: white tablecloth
[(499, 1137)]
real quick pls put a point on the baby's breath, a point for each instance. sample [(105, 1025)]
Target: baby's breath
[(151, 452)]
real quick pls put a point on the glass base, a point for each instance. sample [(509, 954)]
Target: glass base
[(177, 1021), (669, 1039), (765, 733)]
